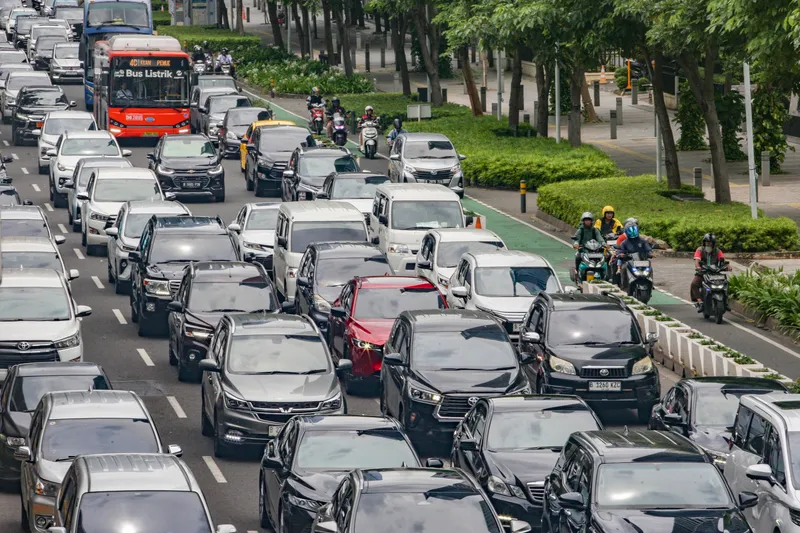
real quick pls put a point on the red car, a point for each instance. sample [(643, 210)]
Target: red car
[(362, 318)]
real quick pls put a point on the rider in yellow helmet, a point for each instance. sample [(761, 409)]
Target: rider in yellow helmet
[(607, 223)]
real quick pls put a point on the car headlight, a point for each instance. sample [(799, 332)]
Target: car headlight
[(643, 366), (232, 136), (45, 488), (256, 246), (561, 365), (409, 169), (216, 170), (12, 442), (196, 333), (524, 389), (23, 116), (161, 170), (364, 345), (332, 403), (70, 342), (396, 248), (62, 167), (498, 486), (234, 403), (445, 282), (157, 287), (98, 216), (719, 458), (322, 305), (303, 503), (11, 100), (424, 396)]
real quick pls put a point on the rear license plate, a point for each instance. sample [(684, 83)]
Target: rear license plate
[(150, 134), (272, 431), (589, 277), (191, 184), (39, 124), (605, 386)]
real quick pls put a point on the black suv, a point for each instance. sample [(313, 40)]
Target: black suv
[(208, 291), (268, 152), (188, 166), (308, 168), (589, 345), (654, 481), (168, 244), (437, 364), (33, 104)]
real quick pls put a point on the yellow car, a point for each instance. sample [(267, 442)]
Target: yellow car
[(254, 126)]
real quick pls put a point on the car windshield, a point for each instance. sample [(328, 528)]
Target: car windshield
[(9, 197), (233, 297), (449, 253), (593, 326), (45, 44), (281, 141), (67, 438), (476, 348), (242, 116), (262, 219), (33, 303), (429, 150), (69, 13), (304, 233), (28, 390), (17, 260), (356, 187), (388, 303), (717, 407), (220, 104), (23, 228), (530, 430), (18, 82), (188, 148), (143, 511), (793, 445), (57, 126), (118, 190), (97, 146), (188, 248), (111, 162), (24, 24), (318, 167), (206, 82), (337, 272), (43, 98), (661, 486), (420, 215), (278, 354), (347, 450), (67, 51), (118, 13), (514, 281), (135, 223), (12, 57), (431, 511)]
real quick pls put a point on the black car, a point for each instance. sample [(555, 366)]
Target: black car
[(208, 291), (438, 363), (635, 481), (233, 126), (167, 245), (188, 166), (589, 345), (326, 267), (213, 112), (268, 152), (410, 500), (704, 410), (302, 467), (22, 389), (34, 102), (510, 445), (309, 166)]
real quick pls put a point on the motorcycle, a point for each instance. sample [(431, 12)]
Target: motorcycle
[(317, 118), (610, 252), (226, 69), (593, 263), (715, 291), (199, 68), (339, 135), (369, 138), (637, 278)]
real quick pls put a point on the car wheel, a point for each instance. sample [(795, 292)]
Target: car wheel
[(59, 200), (187, 374), (119, 287), (71, 219), (90, 250), (83, 238), (384, 407), (76, 225), (220, 450), (43, 169), (173, 361), (205, 426), (220, 197), (263, 514), (52, 190), (644, 413), (146, 327), (134, 312), (110, 273), (15, 137), (259, 190), (248, 183)]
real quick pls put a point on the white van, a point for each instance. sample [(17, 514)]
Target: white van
[(403, 212), (302, 223)]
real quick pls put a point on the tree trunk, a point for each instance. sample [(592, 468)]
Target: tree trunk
[(307, 34), (359, 12), (469, 82), (338, 15), (378, 28), (430, 51), (277, 34), (398, 25), (588, 106), (226, 23), (326, 22), (577, 79), (239, 23), (667, 137), (516, 87), (703, 90), (543, 90), (298, 28)]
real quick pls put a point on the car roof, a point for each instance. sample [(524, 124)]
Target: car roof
[(324, 151), (282, 130), (69, 114), (59, 369), (31, 277), (357, 175), (94, 404), (135, 472), (321, 211), (734, 383), (501, 258), (22, 212), (257, 206), (641, 445), (422, 137), (156, 207), (89, 134), (226, 271), (264, 324), (126, 173), (448, 319), (418, 192), (43, 88), (786, 407), (105, 162), (572, 301), (330, 250), (27, 244), (392, 282), (185, 137), (346, 422), (502, 404), (26, 73), (465, 235), (189, 224), (414, 480), (217, 89)]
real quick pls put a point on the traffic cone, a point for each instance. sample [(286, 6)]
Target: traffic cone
[(478, 224), (603, 74)]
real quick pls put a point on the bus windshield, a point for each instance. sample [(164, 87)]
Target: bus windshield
[(118, 14), (151, 82)]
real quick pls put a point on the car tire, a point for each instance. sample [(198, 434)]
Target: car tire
[(52, 190), (43, 170), (173, 361), (90, 250), (59, 200), (384, 408), (248, 183), (119, 288), (205, 426), (220, 449), (259, 191), (186, 374), (220, 197), (263, 514), (15, 137), (146, 328), (70, 218), (111, 278), (76, 226), (134, 312)]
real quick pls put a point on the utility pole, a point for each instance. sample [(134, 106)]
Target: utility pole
[(751, 159)]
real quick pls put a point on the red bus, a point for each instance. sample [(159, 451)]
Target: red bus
[(141, 86)]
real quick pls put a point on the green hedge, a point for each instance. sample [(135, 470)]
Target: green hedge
[(299, 76), (390, 106), (217, 39), (772, 293), (161, 19), (681, 224)]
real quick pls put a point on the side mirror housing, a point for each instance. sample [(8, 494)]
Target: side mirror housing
[(52, 152), (674, 419), (424, 265), (170, 196), (22, 454), (287, 307), (432, 462), (747, 499), (73, 103), (82, 196), (383, 219), (338, 312), (394, 157), (69, 184), (303, 282), (59, 239), (344, 366), (468, 445), (321, 196), (375, 240), (282, 242), (208, 365), (82, 311), (112, 232), (461, 157), (36, 132), (288, 173), (393, 359), (174, 449), (531, 336), (469, 220), (572, 500), (193, 104), (519, 526), (126, 153), (175, 306), (73, 274), (652, 338), (27, 202), (760, 472), (459, 292), (135, 257), (202, 109), (151, 156), (250, 147), (235, 227)]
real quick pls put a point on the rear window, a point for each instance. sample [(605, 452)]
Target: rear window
[(304, 233)]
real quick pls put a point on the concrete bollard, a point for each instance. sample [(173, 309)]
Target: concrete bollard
[(413, 60), (248, 14), (613, 124), (396, 80), (596, 87), (366, 57), (383, 57), (765, 177), (388, 39), (358, 39), (483, 99), (526, 118), (619, 111), (635, 93), (444, 95), (494, 109), (698, 177)]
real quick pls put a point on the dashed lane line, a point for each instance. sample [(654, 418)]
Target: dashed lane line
[(173, 401), (5, 143), (15, 156), (214, 469), (98, 282), (24, 170), (35, 187), (48, 207), (62, 228), (120, 318), (145, 357), (78, 253)]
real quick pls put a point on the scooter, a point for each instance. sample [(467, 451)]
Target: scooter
[(339, 135), (715, 291), (593, 263), (369, 138), (637, 277), (610, 251), (199, 68), (317, 118)]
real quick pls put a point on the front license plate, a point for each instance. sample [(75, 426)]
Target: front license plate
[(39, 124), (191, 184), (150, 134), (273, 431), (605, 386)]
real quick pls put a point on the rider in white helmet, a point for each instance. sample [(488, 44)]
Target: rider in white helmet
[(369, 115)]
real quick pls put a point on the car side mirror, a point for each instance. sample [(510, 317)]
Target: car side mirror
[(83, 311), (461, 157), (174, 449), (394, 157), (52, 152), (73, 103), (208, 365), (281, 242), (249, 257), (170, 196), (112, 232), (235, 227), (175, 306), (432, 462), (193, 104), (674, 419), (424, 265), (459, 292), (220, 125), (27, 202), (338, 312), (69, 184), (226, 528), (202, 109), (287, 307), (321, 196), (59, 239), (288, 174), (747, 499), (383, 219), (468, 445), (22, 454), (329, 526), (393, 359), (82, 196), (73, 274), (135, 257), (344, 366), (760, 472), (303, 282), (531, 336), (572, 500), (151, 156), (652, 338), (36, 133), (519, 526), (126, 153)]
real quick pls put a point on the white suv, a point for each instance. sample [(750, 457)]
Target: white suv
[(441, 250), (55, 124)]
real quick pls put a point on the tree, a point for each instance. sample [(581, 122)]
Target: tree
[(423, 14), (277, 32), (398, 12)]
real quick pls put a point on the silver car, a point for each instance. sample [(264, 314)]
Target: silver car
[(254, 232), (80, 179), (441, 251), (15, 81), (55, 124), (123, 236), (66, 64), (33, 252), (26, 221), (426, 158)]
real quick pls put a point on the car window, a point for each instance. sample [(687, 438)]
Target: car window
[(774, 457), (757, 435), (740, 427), (479, 426)]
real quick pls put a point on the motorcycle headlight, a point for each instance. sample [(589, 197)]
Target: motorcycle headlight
[(12, 442), (498, 486), (322, 305), (332, 403), (70, 342), (45, 488), (216, 170), (233, 402), (642, 366), (303, 503), (396, 248), (98, 216), (561, 365), (161, 170), (156, 287), (424, 396), (720, 286)]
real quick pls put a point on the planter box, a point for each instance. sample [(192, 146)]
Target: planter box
[(747, 371)]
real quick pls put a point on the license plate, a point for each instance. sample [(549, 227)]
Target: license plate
[(641, 264), (589, 277), (150, 134), (39, 124), (191, 184), (594, 256), (605, 386), (272, 431)]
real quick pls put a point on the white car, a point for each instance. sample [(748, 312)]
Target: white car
[(80, 179), (503, 283), (39, 320), (107, 190), (26, 221), (124, 235), (40, 30), (441, 250), (12, 18), (356, 188), (253, 232), (15, 81), (55, 124), (70, 148), (33, 252), (66, 63)]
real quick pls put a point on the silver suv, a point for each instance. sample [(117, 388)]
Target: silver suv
[(763, 459), (426, 158)]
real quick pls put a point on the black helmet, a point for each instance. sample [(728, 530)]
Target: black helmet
[(205, 44), (335, 101), (710, 237), (224, 50), (398, 124), (197, 48)]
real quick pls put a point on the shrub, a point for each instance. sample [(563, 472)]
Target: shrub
[(643, 84), (771, 292), (299, 76), (681, 224), (621, 77), (730, 109), (217, 39), (390, 106), (160, 19), (770, 112)]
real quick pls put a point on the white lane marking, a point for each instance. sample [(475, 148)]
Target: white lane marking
[(214, 469), (5, 143), (48, 207), (145, 357), (98, 282), (62, 228), (120, 318), (15, 156), (173, 401), (24, 170), (78, 253), (35, 187)]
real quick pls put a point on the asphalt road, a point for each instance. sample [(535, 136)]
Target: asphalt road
[(140, 364)]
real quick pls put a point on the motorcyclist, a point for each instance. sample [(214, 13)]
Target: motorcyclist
[(633, 244), (369, 115), (628, 222), (335, 107), (707, 255), (398, 129), (608, 224), (224, 58), (585, 233), (313, 98), (198, 56)]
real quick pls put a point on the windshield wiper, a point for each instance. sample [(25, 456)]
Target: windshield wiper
[(589, 343), (449, 369), (551, 448), (176, 261), (224, 310), (315, 371), (264, 310)]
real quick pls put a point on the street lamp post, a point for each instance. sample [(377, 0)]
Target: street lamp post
[(751, 160)]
